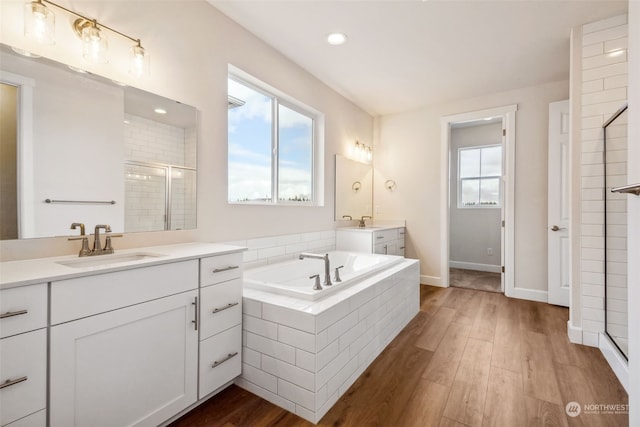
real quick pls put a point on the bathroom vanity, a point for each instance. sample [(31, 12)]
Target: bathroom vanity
[(134, 338), (386, 240)]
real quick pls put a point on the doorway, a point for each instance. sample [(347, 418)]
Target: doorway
[(475, 204), (493, 196)]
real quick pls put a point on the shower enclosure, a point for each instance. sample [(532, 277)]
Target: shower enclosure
[(615, 230)]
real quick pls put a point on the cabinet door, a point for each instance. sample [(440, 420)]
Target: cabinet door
[(132, 366), (23, 373)]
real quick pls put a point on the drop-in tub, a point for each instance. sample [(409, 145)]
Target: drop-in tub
[(291, 278)]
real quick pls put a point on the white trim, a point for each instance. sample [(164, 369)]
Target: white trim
[(26, 221), (508, 114), (529, 294), (431, 280), (574, 333), (475, 266), (617, 362)]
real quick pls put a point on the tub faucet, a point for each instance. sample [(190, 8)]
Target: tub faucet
[(327, 267)]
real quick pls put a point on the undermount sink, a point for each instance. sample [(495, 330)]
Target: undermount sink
[(100, 260)]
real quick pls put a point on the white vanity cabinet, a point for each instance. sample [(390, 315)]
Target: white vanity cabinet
[(220, 321), (387, 241), (23, 355), (124, 346)]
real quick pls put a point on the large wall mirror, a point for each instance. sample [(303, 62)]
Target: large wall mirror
[(77, 147), (354, 188)]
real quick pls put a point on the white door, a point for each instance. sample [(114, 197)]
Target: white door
[(558, 203), (136, 366)]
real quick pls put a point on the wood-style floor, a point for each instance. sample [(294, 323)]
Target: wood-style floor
[(469, 358)]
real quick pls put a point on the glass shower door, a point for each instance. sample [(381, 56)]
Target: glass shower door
[(615, 219)]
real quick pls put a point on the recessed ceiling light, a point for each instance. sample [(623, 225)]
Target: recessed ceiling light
[(160, 111), (336, 39)]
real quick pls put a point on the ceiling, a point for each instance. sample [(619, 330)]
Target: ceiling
[(403, 55)]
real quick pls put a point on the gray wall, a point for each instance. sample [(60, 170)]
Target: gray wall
[(473, 230)]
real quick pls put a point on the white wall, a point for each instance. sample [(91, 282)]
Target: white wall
[(633, 213), (472, 230), (408, 151), (190, 45)]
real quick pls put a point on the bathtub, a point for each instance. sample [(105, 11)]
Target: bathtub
[(291, 278)]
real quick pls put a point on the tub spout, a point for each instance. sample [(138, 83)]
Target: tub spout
[(327, 267)]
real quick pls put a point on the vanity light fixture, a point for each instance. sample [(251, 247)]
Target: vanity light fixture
[(39, 25), (336, 39), (362, 152)]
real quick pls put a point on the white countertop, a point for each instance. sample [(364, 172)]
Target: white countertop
[(369, 228), (41, 270)]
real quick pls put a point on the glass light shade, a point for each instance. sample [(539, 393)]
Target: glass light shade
[(39, 23), (94, 44), (137, 66)]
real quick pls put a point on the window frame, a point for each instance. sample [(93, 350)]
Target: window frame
[(480, 177), (278, 99)]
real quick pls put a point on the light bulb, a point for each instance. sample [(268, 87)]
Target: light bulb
[(94, 44), (39, 23), (137, 60)]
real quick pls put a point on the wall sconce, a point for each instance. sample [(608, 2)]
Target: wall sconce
[(363, 152), (39, 25)]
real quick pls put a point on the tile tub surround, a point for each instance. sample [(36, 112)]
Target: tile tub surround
[(302, 355)]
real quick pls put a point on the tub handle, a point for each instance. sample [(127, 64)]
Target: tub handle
[(219, 309), (220, 362), (338, 279), (316, 284), (231, 267)]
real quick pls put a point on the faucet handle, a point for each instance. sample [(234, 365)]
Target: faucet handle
[(338, 279), (108, 249), (316, 285)]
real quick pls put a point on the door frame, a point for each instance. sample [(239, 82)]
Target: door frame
[(508, 114)]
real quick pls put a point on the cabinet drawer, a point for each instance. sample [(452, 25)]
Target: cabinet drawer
[(220, 268), (220, 307), (220, 359), (23, 309), (85, 296), (23, 357), (384, 236)]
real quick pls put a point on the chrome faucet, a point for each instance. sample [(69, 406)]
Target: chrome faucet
[(362, 224), (327, 268), (97, 246)]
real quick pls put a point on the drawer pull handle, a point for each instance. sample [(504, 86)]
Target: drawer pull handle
[(9, 383), (13, 313), (402, 232), (231, 267), (218, 310), (402, 247), (379, 237), (220, 362)]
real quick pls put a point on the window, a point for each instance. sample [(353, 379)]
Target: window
[(479, 174), (271, 142)]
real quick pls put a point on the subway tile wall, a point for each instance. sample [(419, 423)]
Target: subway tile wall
[(269, 250), (604, 91)]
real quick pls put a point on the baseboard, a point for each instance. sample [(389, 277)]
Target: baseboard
[(528, 294), (618, 363), (431, 280), (475, 266), (574, 333)]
